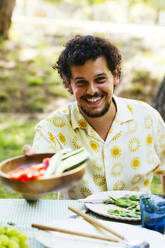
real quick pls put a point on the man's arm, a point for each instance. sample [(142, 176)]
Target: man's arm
[(44, 142)]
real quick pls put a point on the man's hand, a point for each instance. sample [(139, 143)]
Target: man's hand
[(28, 150)]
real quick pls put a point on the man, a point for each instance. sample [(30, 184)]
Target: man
[(125, 138)]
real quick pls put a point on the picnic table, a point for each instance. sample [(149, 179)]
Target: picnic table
[(23, 214)]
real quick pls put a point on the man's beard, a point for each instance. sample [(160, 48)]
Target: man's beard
[(93, 115)]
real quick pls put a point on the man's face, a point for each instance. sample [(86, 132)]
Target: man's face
[(92, 85)]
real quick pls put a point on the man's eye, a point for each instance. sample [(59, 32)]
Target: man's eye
[(100, 79), (81, 82)]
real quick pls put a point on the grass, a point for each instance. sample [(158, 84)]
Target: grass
[(15, 131)]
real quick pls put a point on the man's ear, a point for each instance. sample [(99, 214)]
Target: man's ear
[(68, 85), (117, 77)]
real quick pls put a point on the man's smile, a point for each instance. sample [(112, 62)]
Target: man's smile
[(94, 100)]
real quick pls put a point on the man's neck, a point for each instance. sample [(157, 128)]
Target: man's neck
[(103, 124)]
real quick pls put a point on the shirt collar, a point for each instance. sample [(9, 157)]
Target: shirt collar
[(124, 114), (124, 110), (77, 119)]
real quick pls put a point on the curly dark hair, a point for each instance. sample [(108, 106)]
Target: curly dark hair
[(82, 48)]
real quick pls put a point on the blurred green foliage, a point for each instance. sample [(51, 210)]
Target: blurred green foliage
[(32, 80), (30, 84), (14, 133)]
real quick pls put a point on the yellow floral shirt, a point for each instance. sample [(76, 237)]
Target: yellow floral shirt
[(133, 150)]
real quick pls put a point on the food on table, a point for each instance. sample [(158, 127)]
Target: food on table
[(61, 162), (12, 238), (65, 160), (24, 174), (71, 160), (129, 206), (124, 213), (134, 198)]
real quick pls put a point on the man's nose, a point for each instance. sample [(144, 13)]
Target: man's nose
[(91, 90)]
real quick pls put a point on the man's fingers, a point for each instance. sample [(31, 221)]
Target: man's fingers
[(28, 150)]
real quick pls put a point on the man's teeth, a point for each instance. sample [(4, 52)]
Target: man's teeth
[(93, 99)]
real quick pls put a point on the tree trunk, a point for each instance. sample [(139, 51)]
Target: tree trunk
[(6, 10), (159, 101)]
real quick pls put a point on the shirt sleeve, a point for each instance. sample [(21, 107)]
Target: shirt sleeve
[(45, 141), (160, 144)]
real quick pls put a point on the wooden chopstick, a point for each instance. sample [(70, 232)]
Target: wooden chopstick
[(95, 222), (49, 228)]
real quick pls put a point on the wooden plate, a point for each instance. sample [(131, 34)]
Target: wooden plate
[(34, 189)]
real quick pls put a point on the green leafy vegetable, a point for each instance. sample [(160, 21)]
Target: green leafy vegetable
[(124, 213), (109, 201), (123, 202), (134, 198), (130, 206)]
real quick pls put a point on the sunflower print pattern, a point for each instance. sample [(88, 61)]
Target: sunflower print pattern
[(85, 192), (132, 126), (116, 137), (146, 182), (94, 146), (116, 152), (72, 194), (62, 138), (135, 163), (99, 179), (119, 185), (51, 138), (134, 144), (136, 179), (134, 148), (130, 108), (97, 165), (75, 142), (57, 122), (82, 123), (148, 122), (117, 169), (149, 139)]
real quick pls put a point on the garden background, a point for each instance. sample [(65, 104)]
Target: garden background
[(30, 89)]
